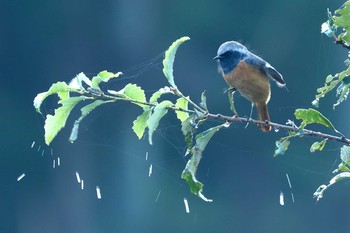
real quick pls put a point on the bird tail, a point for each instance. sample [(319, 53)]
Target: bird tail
[(263, 115)]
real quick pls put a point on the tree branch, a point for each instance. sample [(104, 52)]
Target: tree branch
[(292, 128), (229, 119)]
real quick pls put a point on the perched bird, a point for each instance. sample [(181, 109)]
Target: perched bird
[(249, 74)]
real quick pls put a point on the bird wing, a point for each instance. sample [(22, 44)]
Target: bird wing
[(265, 67), (275, 75)]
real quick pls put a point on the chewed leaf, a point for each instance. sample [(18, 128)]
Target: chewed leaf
[(341, 79), (343, 91), (189, 173), (156, 95), (310, 116), (84, 112), (54, 123), (60, 88), (169, 58), (339, 177), (141, 122), (182, 103), (77, 82), (281, 147), (159, 111), (320, 190), (318, 146), (103, 76)]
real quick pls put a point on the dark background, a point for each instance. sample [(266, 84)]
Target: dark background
[(42, 42)]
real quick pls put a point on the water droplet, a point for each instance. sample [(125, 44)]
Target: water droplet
[(227, 124)]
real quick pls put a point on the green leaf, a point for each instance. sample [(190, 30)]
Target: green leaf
[(342, 167), (329, 78), (54, 123), (59, 88), (318, 146), (131, 92), (189, 173), (187, 128), (135, 93), (281, 146), (331, 83), (156, 95), (203, 102), (158, 112), (182, 103), (231, 93), (345, 154), (342, 19), (310, 116), (103, 76), (141, 122), (169, 58), (203, 138), (84, 112)]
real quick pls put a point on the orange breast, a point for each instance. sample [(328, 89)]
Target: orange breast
[(250, 82)]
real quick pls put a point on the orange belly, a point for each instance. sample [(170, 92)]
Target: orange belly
[(250, 83)]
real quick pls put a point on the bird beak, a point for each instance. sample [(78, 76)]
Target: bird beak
[(218, 57)]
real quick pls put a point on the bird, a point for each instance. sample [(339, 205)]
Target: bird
[(249, 74)]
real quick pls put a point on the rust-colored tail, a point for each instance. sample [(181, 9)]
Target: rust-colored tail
[(263, 115)]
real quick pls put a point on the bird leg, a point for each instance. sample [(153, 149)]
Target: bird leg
[(250, 115)]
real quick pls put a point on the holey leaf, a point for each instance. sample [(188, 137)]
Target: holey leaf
[(54, 123), (169, 58), (342, 19), (343, 91), (310, 116), (189, 173), (84, 112), (59, 88), (158, 112), (188, 128), (156, 95)]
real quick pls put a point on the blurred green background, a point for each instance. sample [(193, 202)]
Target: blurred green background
[(42, 42)]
